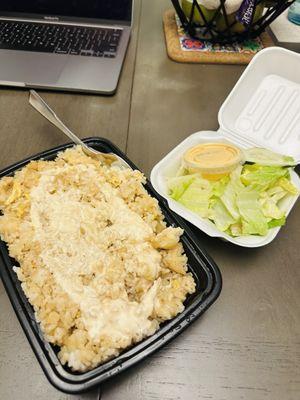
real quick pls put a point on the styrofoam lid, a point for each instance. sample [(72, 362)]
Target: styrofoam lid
[(263, 109)]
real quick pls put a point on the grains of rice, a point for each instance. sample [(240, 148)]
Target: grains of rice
[(97, 262)]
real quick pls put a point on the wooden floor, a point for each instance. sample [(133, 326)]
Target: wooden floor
[(247, 345)]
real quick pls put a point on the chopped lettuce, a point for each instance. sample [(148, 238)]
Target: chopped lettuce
[(229, 196), (253, 220), (287, 185), (236, 229), (276, 222), (262, 156), (196, 196), (245, 202), (178, 185), (270, 208), (276, 193), (220, 215), (262, 176), (218, 187)]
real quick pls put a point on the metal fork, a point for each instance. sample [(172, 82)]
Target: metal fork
[(42, 107)]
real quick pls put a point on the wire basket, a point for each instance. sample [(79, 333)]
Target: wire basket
[(223, 26)]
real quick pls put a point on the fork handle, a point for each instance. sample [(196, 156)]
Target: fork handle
[(42, 107)]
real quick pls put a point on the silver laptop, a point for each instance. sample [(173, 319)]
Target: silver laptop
[(76, 45)]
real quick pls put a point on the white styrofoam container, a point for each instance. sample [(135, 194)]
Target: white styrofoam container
[(262, 110)]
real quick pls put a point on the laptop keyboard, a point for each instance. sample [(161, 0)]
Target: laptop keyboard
[(59, 39)]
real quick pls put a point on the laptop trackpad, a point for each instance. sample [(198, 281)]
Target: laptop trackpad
[(30, 67)]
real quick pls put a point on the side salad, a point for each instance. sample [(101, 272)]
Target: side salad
[(244, 201)]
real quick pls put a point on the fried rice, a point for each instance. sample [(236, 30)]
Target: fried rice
[(96, 259)]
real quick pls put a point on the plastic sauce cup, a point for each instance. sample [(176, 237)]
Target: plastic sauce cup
[(212, 160)]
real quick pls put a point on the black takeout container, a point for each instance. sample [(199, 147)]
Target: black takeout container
[(204, 270)]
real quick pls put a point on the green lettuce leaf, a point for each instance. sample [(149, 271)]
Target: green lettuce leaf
[(229, 196), (178, 185), (287, 185), (262, 177), (196, 197), (220, 216), (269, 202), (267, 157), (270, 208), (218, 187), (276, 222), (236, 229), (276, 193), (253, 220)]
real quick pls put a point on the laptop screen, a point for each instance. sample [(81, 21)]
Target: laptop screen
[(119, 10)]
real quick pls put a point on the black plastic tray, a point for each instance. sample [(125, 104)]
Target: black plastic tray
[(205, 272)]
